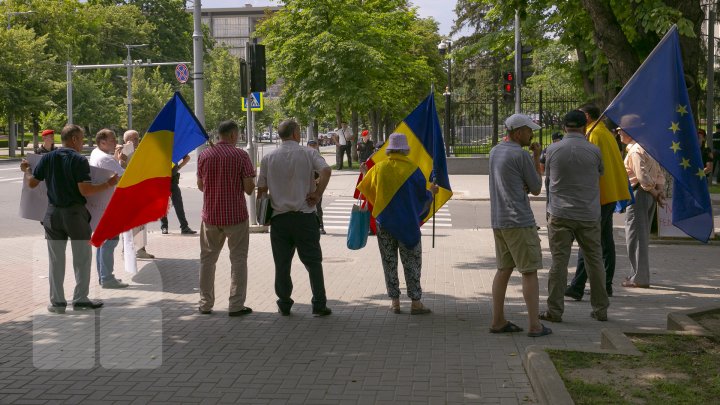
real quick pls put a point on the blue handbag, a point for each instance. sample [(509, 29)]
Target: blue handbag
[(358, 228)]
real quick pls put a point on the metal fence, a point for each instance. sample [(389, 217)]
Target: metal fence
[(478, 125)]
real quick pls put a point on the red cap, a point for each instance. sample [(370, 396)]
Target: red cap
[(48, 132), (365, 133)]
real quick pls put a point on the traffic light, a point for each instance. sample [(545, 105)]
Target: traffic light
[(526, 63), (244, 78), (257, 67), (509, 86)]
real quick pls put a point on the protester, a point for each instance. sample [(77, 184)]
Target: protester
[(365, 147), (613, 188), (648, 182), (66, 174), (177, 201), (139, 233), (401, 229), (572, 173), (513, 174), (716, 153), (314, 144), (224, 172), (287, 174), (343, 141), (107, 155), (706, 154), (48, 145)]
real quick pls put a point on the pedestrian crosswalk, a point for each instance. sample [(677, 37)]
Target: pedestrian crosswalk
[(336, 216), (11, 175)]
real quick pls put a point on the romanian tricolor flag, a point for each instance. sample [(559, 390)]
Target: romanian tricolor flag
[(427, 152), (142, 194)]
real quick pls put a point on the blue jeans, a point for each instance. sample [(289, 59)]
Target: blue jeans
[(105, 260)]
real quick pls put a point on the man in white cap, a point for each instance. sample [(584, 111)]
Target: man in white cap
[(514, 174)]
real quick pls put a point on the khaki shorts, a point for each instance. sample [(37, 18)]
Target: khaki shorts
[(518, 248)]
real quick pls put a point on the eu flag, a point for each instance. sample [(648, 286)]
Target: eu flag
[(656, 104)]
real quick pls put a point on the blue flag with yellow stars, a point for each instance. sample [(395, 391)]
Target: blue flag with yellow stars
[(654, 108)]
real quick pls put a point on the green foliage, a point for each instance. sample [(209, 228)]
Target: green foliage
[(350, 54), (150, 93), (97, 100), (222, 96)]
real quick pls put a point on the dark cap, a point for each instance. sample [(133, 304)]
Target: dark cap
[(312, 142), (557, 135), (575, 119)]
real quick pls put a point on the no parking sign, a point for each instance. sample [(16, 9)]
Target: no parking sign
[(182, 73)]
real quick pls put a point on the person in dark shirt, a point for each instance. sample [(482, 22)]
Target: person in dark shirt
[(706, 154), (48, 145), (177, 201), (716, 153), (66, 174)]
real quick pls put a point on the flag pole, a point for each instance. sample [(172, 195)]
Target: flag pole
[(432, 91)]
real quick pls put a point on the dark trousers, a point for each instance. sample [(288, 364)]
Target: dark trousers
[(343, 150), (577, 284), (290, 231), (60, 225), (319, 214), (176, 197), (716, 168)]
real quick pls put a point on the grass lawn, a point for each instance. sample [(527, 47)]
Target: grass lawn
[(672, 370)]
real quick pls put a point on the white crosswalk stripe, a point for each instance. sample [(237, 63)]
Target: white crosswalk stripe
[(336, 216)]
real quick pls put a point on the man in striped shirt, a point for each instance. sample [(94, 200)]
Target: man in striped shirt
[(224, 172)]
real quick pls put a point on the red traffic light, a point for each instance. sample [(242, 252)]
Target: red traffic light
[(509, 76)]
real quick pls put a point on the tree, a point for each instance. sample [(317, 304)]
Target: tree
[(26, 78), (97, 101), (150, 93), (610, 38), (222, 96)]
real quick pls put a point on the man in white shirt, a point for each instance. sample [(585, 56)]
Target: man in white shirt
[(107, 155), (343, 140), (287, 173)]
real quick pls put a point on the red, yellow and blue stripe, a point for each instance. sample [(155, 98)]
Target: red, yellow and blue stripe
[(142, 194)]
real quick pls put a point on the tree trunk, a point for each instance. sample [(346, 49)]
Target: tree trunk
[(691, 47), (611, 40), (36, 129), (338, 115), (374, 118), (353, 146), (588, 84), (12, 138)]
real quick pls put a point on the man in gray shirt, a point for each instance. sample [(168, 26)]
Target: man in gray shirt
[(513, 174), (572, 173)]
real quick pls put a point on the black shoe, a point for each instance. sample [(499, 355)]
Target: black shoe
[(87, 305), (609, 291), (322, 231), (187, 231), (164, 230), (205, 311), (284, 312), (569, 292), (325, 311), (244, 311)]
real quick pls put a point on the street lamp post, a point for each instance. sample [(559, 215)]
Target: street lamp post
[(445, 48), (129, 63)]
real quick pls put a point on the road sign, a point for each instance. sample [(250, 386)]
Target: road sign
[(182, 73), (257, 102)]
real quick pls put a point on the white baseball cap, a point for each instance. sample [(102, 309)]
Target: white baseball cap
[(516, 121)]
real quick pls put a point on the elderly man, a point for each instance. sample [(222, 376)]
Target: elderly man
[(513, 174), (67, 175), (107, 155), (573, 168), (287, 173), (224, 172), (139, 233)]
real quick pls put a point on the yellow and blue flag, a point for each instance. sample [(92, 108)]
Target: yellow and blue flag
[(396, 203), (655, 101), (142, 194)]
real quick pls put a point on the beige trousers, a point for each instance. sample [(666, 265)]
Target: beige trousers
[(212, 240)]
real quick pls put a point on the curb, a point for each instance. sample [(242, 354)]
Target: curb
[(546, 381)]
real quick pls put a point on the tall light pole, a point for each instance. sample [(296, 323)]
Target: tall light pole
[(129, 63), (445, 48)]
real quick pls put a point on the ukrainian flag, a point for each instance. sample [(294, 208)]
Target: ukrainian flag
[(396, 207), (142, 194)]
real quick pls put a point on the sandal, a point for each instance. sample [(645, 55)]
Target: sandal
[(544, 332), (508, 328), (546, 316)]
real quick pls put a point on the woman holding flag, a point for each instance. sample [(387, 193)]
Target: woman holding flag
[(396, 188)]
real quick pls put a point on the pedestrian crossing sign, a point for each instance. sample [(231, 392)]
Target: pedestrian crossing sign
[(257, 101)]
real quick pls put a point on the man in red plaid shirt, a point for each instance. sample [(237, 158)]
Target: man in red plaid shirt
[(224, 172)]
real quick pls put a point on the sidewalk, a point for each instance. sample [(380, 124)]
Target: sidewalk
[(149, 344)]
